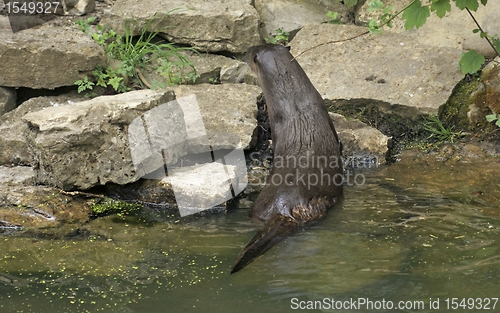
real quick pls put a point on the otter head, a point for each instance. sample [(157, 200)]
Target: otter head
[(268, 57)]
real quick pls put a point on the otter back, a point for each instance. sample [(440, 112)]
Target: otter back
[(307, 174)]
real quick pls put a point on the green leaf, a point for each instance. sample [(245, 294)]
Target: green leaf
[(387, 10), (470, 4), (484, 2), (373, 27), (490, 118), (375, 5), (496, 44), (441, 7), (416, 15), (498, 123), (115, 82), (332, 15), (350, 3), (471, 62)]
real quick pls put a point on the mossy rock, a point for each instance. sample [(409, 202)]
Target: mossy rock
[(471, 100)]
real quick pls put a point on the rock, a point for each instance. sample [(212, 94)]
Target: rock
[(17, 23), (13, 142), (217, 68), (7, 100), (222, 69), (17, 175), (5, 28), (94, 142), (211, 68), (292, 15), (360, 142), (204, 124), (49, 58), (490, 77), (204, 186), (78, 7), (86, 144), (227, 108), (13, 130), (213, 26), (192, 188), (453, 31), (235, 72), (158, 137), (391, 68), (471, 102), (158, 191), (36, 207)]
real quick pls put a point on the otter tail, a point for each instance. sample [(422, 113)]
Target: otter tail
[(273, 232)]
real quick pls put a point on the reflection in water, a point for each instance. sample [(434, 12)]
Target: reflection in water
[(411, 232)]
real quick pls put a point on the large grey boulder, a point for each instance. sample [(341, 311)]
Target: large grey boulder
[(48, 57), (391, 68), (86, 144), (208, 25), (91, 143)]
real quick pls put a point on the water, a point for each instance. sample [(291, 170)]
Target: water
[(415, 231)]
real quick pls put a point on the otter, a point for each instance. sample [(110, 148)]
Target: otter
[(307, 175)]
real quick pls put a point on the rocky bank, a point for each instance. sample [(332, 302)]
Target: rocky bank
[(53, 137)]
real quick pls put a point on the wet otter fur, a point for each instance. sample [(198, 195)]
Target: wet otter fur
[(303, 136)]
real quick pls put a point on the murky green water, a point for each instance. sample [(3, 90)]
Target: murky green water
[(412, 232)]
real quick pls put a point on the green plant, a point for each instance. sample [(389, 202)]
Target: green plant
[(133, 53), (438, 131), (108, 206), (84, 84), (385, 19), (111, 77), (280, 37), (334, 17), (84, 25), (493, 117)]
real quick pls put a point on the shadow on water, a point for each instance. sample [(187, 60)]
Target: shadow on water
[(411, 232)]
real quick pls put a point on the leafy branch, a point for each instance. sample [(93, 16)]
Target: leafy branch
[(415, 15), (370, 30)]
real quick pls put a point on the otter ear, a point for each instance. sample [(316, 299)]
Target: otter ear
[(255, 58), (288, 48)]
